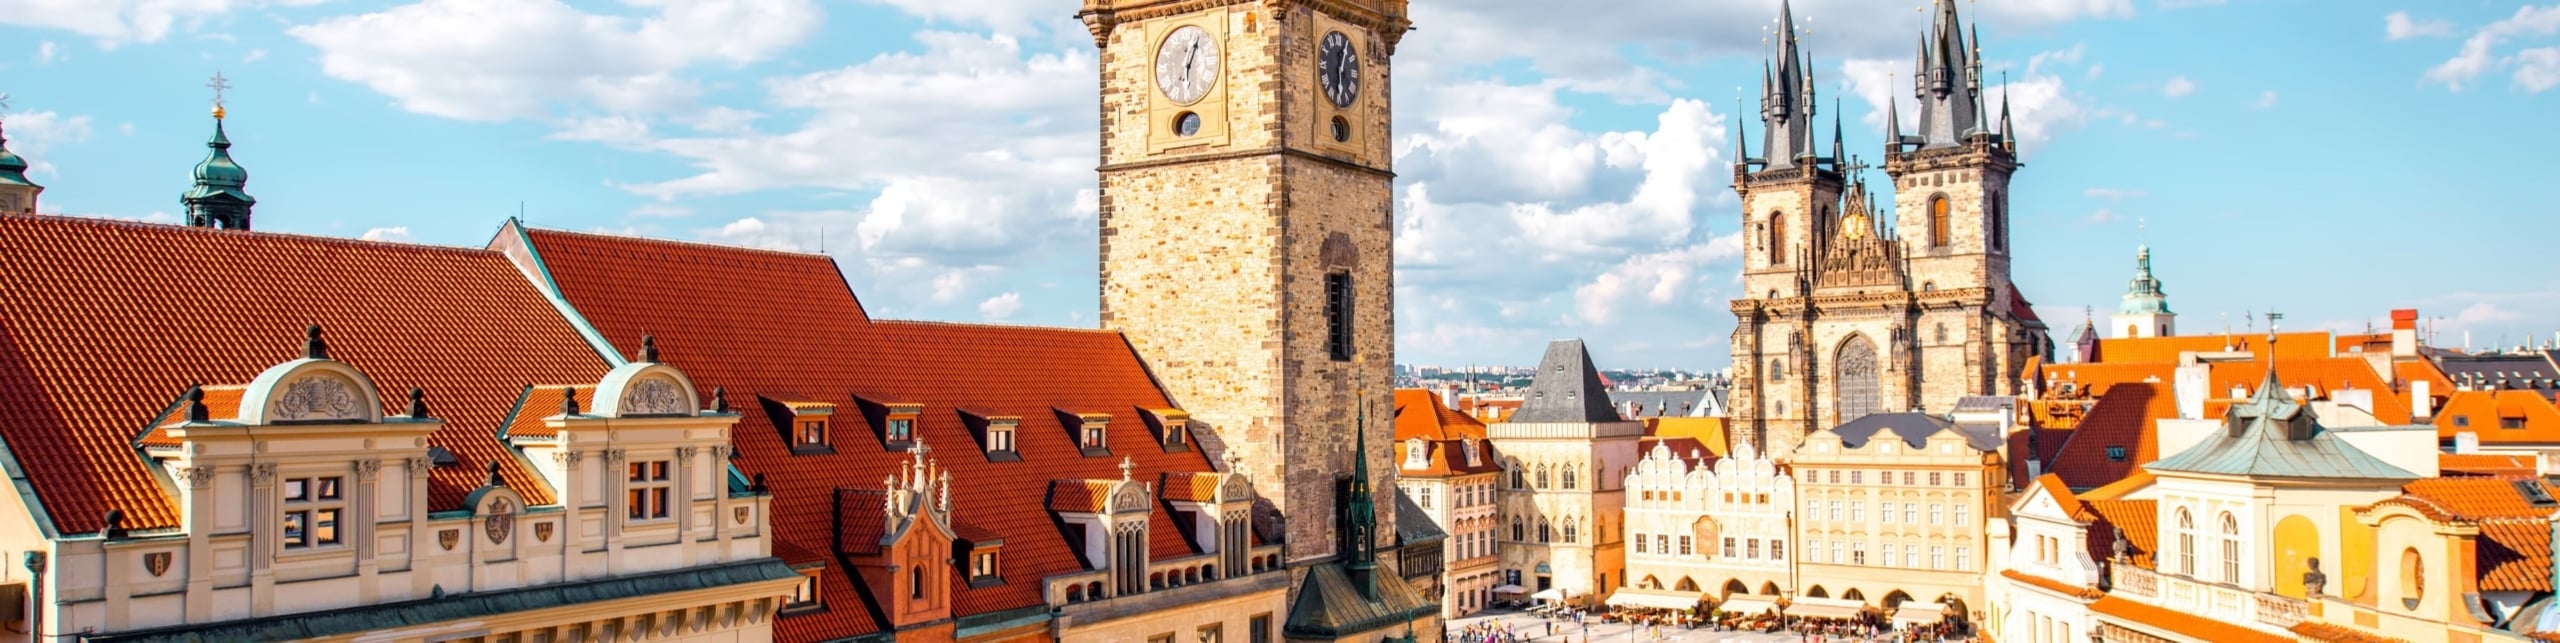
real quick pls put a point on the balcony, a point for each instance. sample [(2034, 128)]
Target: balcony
[(2213, 600)]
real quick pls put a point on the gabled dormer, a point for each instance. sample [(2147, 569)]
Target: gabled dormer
[(1213, 511), (1105, 524), (902, 550), (1091, 432), (646, 452), (999, 436), (807, 425), (1172, 428), (893, 422)]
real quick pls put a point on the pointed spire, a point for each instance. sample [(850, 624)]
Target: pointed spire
[(2008, 131), (219, 198), (1839, 156), (1360, 522), (1892, 120)]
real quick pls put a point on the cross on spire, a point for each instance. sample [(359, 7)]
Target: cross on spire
[(219, 85)]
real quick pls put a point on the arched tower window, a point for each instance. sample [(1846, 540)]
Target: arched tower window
[(1519, 532), (1999, 223), (1569, 477), (2186, 543), (2230, 548), (1858, 381), (1938, 229), (1546, 531), (1777, 238), (1545, 480)]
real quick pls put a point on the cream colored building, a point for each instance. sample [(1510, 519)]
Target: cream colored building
[(307, 516), (1447, 468), (1896, 514), (1567, 454), (1707, 529)]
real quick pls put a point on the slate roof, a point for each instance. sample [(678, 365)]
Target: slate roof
[(1566, 389), (759, 322), (1413, 524), (2534, 371), (2271, 435), (103, 324), (1915, 429), (1330, 606)]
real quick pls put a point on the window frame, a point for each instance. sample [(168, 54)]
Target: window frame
[(319, 508), (648, 491), (1341, 310)]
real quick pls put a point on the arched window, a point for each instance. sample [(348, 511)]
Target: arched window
[(1546, 531), (1544, 480), (1569, 479), (1938, 236), (1572, 532), (1777, 369), (1519, 476), (1858, 381), (2186, 543), (1999, 223), (1777, 238), (2413, 578), (2230, 549), (1519, 532)]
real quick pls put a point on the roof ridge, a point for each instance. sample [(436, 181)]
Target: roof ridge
[(681, 242), (79, 219), (987, 325)]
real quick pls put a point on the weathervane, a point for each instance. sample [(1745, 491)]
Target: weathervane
[(219, 85)]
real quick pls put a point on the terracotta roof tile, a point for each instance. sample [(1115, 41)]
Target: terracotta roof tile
[(2137, 519), (95, 349), (2321, 632), (2514, 547), (540, 402), (755, 321), (2485, 464), (2183, 623), (2082, 592), (2328, 374), (2166, 350), (2132, 482), (2488, 414), (2125, 421), (1420, 414), (1447, 458), (2046, 444)]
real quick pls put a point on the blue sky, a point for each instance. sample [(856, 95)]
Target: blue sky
[(1560, 177)]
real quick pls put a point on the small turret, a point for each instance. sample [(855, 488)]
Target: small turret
[(17, 194), (219, 198)]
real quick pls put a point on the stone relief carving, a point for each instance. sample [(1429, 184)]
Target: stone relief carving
[(318, 397), (263, 475), (568, 459), (367, 468), (654, 397), (198, 477)]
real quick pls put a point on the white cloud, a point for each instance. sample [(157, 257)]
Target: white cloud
[(490, 60), (2478, 54), (2538, 70), (254, 55), (2113, 195), (34, 135), (1657, 279), (624, 131), (113, 23), (2399, 26), (2177, 86), (2485, 312), (2103, 216), (396, 234), (1001, 307), (48, 53), (2266, 100)]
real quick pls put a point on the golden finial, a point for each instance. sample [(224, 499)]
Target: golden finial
[(219, 85)]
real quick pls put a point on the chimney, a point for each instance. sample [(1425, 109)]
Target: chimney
[(2422, 401), (1449, 396), (2466, 443), (2404, 332)]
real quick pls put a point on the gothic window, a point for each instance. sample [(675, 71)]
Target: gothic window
[(1571, 532), (1519, 532), (1999, 224), (1519, 476), (1544, 479), (1569, 477), (1938, 237), (1859, 381), (1546, 531), (1777, 238), (1337, 315), (1777, 369)]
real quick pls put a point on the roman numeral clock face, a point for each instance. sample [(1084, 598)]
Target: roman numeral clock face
[(1338, 69), (1187, 65)]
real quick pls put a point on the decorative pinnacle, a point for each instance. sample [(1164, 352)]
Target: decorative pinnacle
[(649, 348), (720, 399), (1128, 468), (417, 403), (195, 406), (312, 346), (219, 85), (568, 400), (494, 479)]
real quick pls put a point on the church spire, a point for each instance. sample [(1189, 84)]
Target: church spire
[(1892, 119), (219, 198), (1786, 103), (2008, 131), (1360, 521), (1950, 82), (17, 194)]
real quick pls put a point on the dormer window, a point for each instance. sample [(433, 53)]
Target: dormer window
[(1475, 458), (809, 433), (902, 429), (1090, 431), (649, 486), (312, 509), (1000, 437), (983, 566), (1417, 454), (807, 425), (1172, 427), (805, 596)]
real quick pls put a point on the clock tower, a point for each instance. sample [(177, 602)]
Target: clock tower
[(1246, 212)]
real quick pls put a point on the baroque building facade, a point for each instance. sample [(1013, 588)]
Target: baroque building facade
[(1708, 529), (1897, 513), (1845, 314), (1449, 471), (1566, 452)]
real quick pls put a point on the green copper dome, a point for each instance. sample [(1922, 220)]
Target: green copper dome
[(13, 170), (2143, 295), (218, 176)]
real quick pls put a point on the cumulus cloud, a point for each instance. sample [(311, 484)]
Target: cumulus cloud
[(396, 233), (35, 135), (2399, 26), (493, 60), (2538, 69), (114, 23), (2479, 52), (2177, 86), (1001, 307)]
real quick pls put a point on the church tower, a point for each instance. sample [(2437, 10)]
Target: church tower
[(1789, 198), (2145, 311), (17, 194), (1246, 209), (219, 198)]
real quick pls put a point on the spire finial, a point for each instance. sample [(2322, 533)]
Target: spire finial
[(219, 85), (312, 346), (1128, 468), (417, 403)]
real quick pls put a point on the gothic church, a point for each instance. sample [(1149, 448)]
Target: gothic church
[(1847, 313)]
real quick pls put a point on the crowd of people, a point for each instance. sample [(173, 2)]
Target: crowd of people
[(1656, 625)]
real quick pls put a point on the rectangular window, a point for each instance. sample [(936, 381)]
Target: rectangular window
[(983, 565), (1959, 478), (1751, 549), (1909, 477), (1728, 547), (1338, 315), (1911, 556), (1933, 478), (1961, 513), (1161, 638), (1937, 557), (2510, 423), (1640, 543), (1212, 633), (1835, 554), (1857, 477), (312, 509), (1889, 548), (649, 486), (1000, 439), (1858, 511), (1426, 497), (1937, 514), (1258, 630), (902, 429), (1835, 476), (1835, 510), (2115, 454), (1684, 545), (805, 595), (1777, 549), (1812, 508), (1857, 553), (1094, 438), (813, 433), (1964, 558), (1911, 513)]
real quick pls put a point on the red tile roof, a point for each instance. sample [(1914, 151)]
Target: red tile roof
[(1447, 458), (2485, 464), (2138, 521), (2127, 418), (2330, 374), (2166, 350), (1419, 414), (2061, 494), (2182, 623), (2082, 592), (755, 321), (2322, 632), (106, 322), (2486, 413), (2514, 548)]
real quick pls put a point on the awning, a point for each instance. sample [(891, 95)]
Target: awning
[(1826, 608), (1549, 594), (1509, 589), (1655, 598), (1919, 614), (1748, 604)]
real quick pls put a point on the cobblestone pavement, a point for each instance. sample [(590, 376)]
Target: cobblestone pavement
[(1534, 629)]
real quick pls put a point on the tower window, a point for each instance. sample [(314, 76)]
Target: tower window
[(1337, 315), (1777, 238), (1999, 224), (1938, 237)]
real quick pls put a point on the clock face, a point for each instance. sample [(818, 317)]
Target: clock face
[(1338, 69), (1187, 64)]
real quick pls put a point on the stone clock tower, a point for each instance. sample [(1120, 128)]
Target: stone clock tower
[(1246, 209)]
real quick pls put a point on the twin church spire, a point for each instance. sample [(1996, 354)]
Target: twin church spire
[(1947, 80)]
